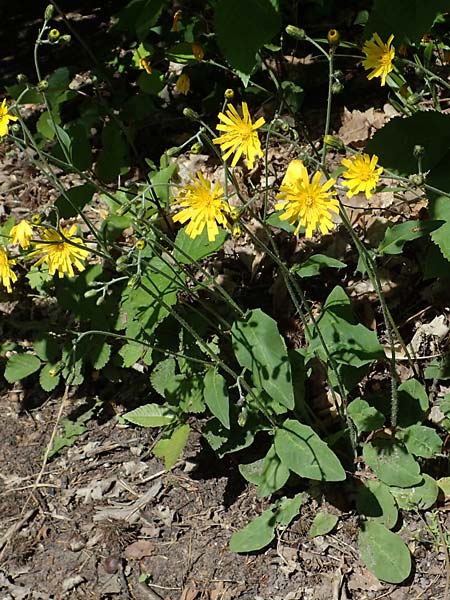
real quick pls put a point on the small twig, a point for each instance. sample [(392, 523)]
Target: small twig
[(15, 528), (49, 447)]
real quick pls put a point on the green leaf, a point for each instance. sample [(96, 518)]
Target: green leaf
[(113, 156), (150, 415), (392, 464), (47, 349), (268, 473), (100, 354), (412, 402), (439, 368), (364, 416), (151, 83), (138, 16), (44, 125), (286, 509), (20, 366), (216, 396), (48, 380), (394, 143), (420, 440), (302, 451), (397, 236), (323, 523), (408, 20), (440, 209), (170, 448), (160, 181), (188, 250), (131, 352), (311, 267), (422, 496), (242, 28), (181, 53), (376, 502), (384, 552), (71, 203), (259, 347), (274, 220), (162, 376), (256, 535)]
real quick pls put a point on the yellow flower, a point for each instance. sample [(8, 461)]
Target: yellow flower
[(202, 206), (379, 57), (240, 135), (362, 174), (183, 83), (5, 118), (197, 51), (306, 202), (145, 64), (21, 234), (333, 37), (7, 275), (59, 254)]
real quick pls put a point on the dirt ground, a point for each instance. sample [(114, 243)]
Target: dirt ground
[(104, 520)]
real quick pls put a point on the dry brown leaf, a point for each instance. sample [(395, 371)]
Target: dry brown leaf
[(138, 550), (189, 593)]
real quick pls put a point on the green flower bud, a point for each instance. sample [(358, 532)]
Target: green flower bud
[(229, 94), (285, 127), (418, 179), (173, 151), (90, 293), (134, 281), (65, 39), (418, 151), (54, 35), (15, 128), (413, 99), (295, 32), (49, 12), (337, 88), (22, 78), (42, 85), (196, 148), (100, 300), (333, 142), (191, 114), (121, 264)]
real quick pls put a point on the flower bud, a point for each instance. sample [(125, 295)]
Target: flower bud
[(53, 35), (418, 151), (229, 94), (121, 264), (140, 244), (15, 128), (285, 127), (418, 179), (333, 38), (134, 281), (197, 51), (196, 148), (22, 78), (37, 219), (191, 114), (333, 142), (295, 32), (90, 293), (100, 300), (49, 12), (413, 99), (234, 213), (42, 85), (337, 87), (236, 231), (65, 39)]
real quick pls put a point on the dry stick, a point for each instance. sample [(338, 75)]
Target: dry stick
[(15, 528), (49, 447)]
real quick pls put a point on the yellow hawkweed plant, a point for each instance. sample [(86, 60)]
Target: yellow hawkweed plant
[(21, 234), (203, 206), (306, 203), (7, 275), (59, 251), (240, 135), (5, 118), (379, 57), (361, 174)]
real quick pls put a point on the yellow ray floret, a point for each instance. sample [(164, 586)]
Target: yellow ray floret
[(203, 206), (361, 174), (306, 203), (7, 275), (59, 251), (379, 57), (240, 135), (21, 234), (5, 118)]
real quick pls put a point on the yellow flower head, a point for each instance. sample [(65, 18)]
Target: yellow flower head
[(5, 118), (379, 57), (240, 135), (306, 203), (21, 234), (59, 254), (202, 207), (183, 83), (7, 275), (362, 174)]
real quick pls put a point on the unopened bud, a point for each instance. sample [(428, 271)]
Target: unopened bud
[(418, 151), (333, 142), (100, 300), (295, 32), (140, 244), (65, 39), (90, 293), (172, 151), (196, 148), (337, 88), (285, 127), (418, 179), (54, 35), (37, 219), (236, 231), (49, 12), (42, 85), (121, 263), (229, 94), (22, 78), (333, 38), (15, 128), (413, 99), (191, 114), (134, 281)]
